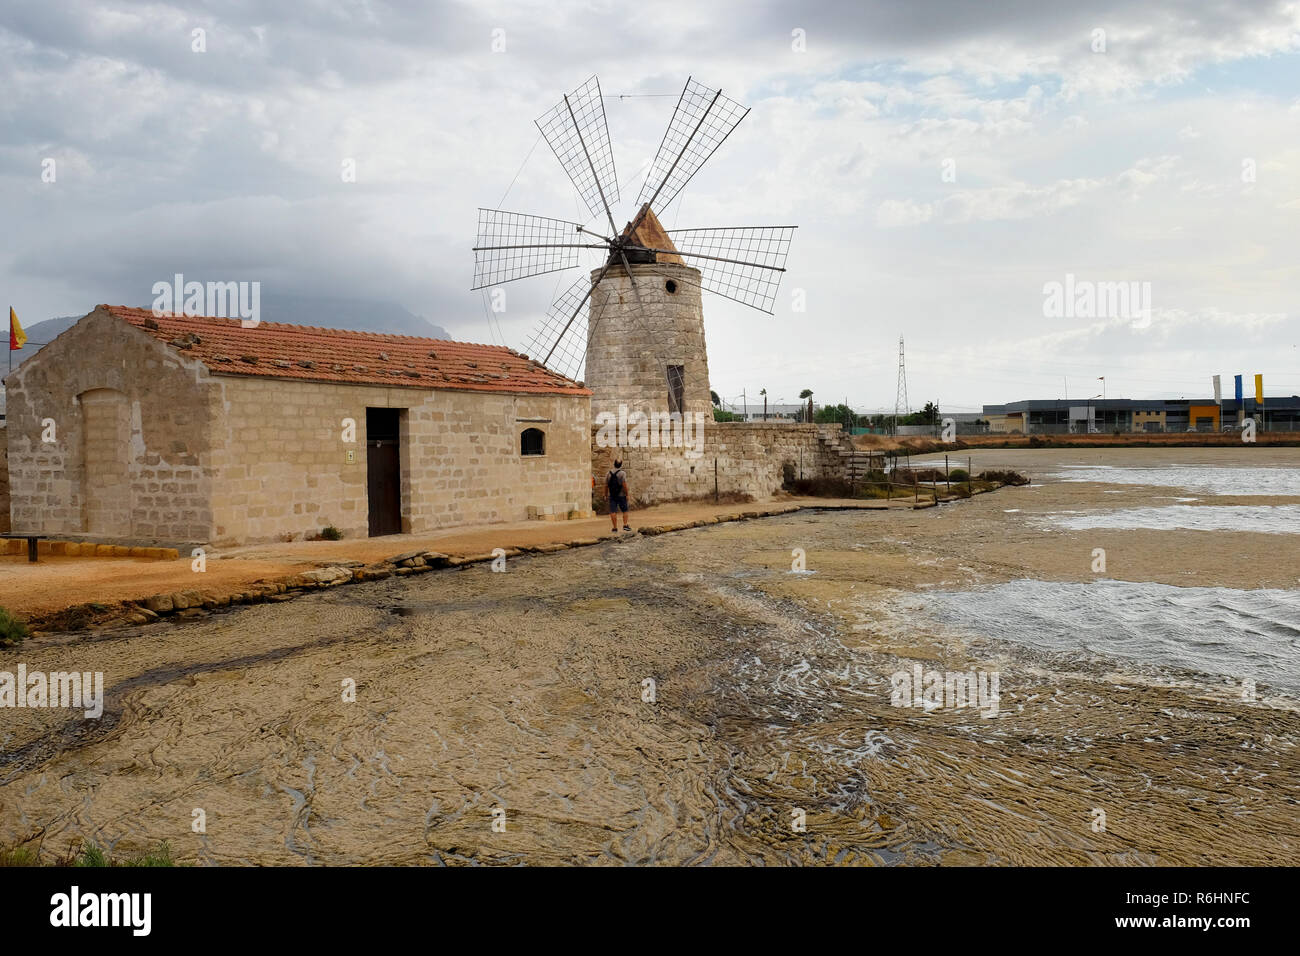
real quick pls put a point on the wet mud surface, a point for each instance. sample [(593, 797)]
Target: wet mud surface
[(524, 692)]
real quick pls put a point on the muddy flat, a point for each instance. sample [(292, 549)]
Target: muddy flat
[(727, 695)]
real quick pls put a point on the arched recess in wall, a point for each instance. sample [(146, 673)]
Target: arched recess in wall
[(105, 446), (532, 441)]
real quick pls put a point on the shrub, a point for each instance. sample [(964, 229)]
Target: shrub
[(958, 474), (1003, 477), (12, 630), (331, 533), (822, 487)]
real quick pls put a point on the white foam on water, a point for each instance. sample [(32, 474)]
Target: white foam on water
[(1262, 519), (1205, 479), (1237, 634)]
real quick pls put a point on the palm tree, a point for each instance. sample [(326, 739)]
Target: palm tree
[(763, 392), (807, 393)]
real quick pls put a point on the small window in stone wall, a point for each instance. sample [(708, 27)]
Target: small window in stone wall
[(677, 388), (532, 441)]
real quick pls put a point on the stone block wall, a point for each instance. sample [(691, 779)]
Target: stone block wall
[(285, 468), (154, 401), (750, 458)]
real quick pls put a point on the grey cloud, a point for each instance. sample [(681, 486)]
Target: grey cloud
[(225, 164)]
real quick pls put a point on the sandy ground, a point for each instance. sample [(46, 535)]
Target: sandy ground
[(57, 582), (521, 697)]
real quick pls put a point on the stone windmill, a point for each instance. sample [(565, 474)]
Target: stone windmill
[(636, 321)]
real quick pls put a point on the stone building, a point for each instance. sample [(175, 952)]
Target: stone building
[(131, 427)]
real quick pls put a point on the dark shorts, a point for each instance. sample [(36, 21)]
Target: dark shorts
[(618, 503)]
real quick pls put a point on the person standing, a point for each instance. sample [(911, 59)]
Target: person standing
[(616, 493)]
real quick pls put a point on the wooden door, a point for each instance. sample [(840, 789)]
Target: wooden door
[(383, 471)]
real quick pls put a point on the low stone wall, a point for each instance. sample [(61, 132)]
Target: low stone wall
[(88, 549), (749, 459)]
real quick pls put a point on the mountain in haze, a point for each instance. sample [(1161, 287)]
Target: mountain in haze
[(363, 315)]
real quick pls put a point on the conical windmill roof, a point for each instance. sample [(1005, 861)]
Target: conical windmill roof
[(650, 233)]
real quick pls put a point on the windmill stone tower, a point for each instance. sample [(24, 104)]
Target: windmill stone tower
[(647, 353)]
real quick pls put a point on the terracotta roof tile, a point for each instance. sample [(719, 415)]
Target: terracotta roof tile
[(310, 354)]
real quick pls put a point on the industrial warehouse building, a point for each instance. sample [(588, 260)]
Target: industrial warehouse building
[(1062, 416), (133, 427)]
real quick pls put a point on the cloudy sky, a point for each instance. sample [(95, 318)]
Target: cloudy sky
[(944, 161)]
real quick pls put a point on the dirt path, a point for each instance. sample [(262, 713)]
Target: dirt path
[(57, 582), (523, 692)]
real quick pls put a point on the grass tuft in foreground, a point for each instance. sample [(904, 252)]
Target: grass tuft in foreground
[(12, 630), (89, 854)]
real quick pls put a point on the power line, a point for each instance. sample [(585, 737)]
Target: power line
[(519, 171), (488, 315)]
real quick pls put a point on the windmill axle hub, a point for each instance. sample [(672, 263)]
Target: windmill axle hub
[(624, 246)]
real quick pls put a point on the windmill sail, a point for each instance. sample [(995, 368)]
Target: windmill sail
[(743, 263), (576, 130), (702, 120), (513, 245), (560, 340)]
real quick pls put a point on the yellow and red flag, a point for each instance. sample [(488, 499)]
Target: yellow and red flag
[(17, 338)]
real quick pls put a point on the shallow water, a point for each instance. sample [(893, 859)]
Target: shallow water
[(1227, 632), (1277, 519), (1205, 479)]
